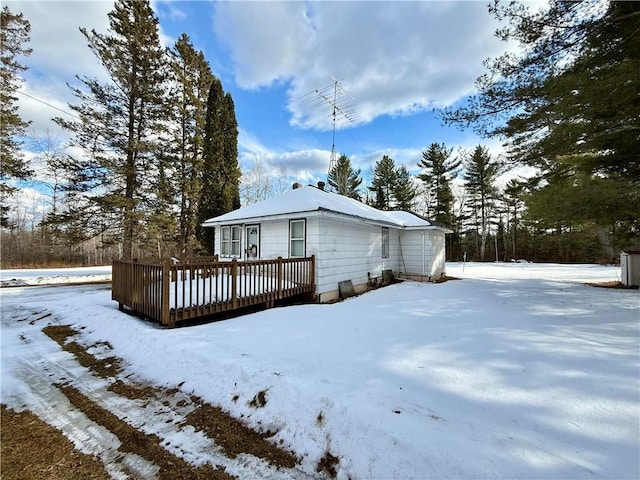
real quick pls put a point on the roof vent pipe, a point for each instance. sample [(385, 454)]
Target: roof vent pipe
[(321, 185), (296, 185)]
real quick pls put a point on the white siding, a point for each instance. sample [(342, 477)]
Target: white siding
[(423, 252), (349, 251), (274, 239)]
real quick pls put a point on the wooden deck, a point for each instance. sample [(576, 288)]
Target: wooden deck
[(171, 292)]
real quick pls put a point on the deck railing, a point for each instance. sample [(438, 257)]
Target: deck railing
[(171, 291)]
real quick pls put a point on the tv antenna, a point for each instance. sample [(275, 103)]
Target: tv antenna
[(340, 107)]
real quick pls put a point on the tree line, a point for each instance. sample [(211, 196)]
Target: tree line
[(155, 146), (569, 106)]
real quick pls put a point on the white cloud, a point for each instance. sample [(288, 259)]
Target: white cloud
[(28, 208), (59, 53), (269, 41), (303, 165), (395, 58), (169, 8)]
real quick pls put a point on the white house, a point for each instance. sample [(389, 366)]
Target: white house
[(350, 240)]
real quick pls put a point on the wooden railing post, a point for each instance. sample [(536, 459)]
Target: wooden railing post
[(280, 272), (135, 295), (234, 282), (312, 274), (166, 283)]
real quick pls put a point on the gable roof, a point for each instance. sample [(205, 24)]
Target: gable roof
[(311, 199)]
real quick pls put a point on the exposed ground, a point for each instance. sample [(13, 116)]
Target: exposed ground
[(95, 409), (32, 449), (612, 284)]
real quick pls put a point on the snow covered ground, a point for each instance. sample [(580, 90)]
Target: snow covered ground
[(54, 276), (516, 371)]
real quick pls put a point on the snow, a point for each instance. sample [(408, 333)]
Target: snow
[(204, 290), (311, 199), (515, 371), (54, 276)]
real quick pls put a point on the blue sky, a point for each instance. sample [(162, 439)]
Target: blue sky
[(399, 61)]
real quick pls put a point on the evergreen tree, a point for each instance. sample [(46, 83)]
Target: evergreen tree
[(514, 203), (480, 175), (439, 171), (384, 181), (220, 191), (14, 34), (569, 105), (119, 125), (344, 179), (192, 79), (404, 191), (232, 170)]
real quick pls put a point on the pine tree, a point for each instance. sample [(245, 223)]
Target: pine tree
[(220, 191), (119, 125), (513, 198), (480, 177), (14, 34), (404, 191), (439, 171), (383, 183), (344, 179), (192, 79)]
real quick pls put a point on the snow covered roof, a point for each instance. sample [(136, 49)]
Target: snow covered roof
[(312, 199)]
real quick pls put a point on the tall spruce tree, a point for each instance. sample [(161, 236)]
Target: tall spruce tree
[(439, 170), (14, 34), (480, 176), (383, 183), (344, 179), (404, 191), (220, 190), (192, 77), (118, 127)]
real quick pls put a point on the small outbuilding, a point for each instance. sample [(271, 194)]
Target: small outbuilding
[(630, 266), (350, 241)]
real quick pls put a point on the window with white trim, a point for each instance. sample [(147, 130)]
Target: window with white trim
[(297, 238), (230, 241), (385, 242)]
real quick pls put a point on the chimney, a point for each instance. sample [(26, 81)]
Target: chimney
[(321, 185), (296, 185)]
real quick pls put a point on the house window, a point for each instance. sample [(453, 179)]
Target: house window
[(296, 238), (385, 242), (230, 242)]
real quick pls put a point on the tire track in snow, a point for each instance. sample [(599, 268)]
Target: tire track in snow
[(52, 406), (40, 369)]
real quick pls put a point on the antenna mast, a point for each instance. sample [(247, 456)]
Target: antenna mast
[(340, 106)]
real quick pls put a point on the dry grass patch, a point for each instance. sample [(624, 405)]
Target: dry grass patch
[(32, 450), (235, 438), (104, 368), (142, 444), (328, 464), (136, 392)]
